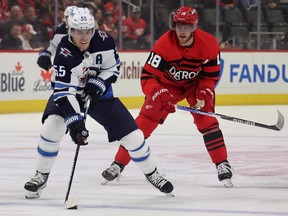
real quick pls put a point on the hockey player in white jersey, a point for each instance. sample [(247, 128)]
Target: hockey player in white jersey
[(86, 63)]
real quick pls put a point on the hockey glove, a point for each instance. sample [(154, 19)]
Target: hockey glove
[(78, 132), (202, 96), (44, 59), (163, 100), (95, 87), (93, 71)]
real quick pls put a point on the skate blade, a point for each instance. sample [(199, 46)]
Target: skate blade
[(33, 195), (227, 183), (104, 182), (170, 194), (71, 203)]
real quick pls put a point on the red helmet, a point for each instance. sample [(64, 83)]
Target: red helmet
[(186, 15)]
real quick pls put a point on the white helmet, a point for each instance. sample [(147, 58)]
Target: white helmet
[(80, 19), (68, 9)]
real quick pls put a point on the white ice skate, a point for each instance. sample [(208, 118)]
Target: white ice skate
[(225, 174), (35, 186)]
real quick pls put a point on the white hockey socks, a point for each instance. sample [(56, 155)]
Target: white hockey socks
[(53, 130), (139, 151)]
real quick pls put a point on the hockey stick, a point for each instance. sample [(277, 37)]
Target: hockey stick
[(72, 203), (278, 126)]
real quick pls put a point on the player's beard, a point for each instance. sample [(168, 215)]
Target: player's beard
[(185, 39)]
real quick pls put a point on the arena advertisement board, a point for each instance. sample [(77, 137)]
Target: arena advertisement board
[(22, 79), (252, 77), (253, 73)]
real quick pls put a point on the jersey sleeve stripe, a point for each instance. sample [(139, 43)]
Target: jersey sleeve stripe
[(59, 95), (61, 85)]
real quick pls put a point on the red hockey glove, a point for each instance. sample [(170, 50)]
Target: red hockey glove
[(163, 100), (202, 96)]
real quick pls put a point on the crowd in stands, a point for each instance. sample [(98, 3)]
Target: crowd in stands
[(29, 24), (238, 22)]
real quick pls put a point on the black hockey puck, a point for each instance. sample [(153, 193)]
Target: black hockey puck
[(73, 207)]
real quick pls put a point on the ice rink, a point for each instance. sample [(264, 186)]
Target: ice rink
[(259, 158)]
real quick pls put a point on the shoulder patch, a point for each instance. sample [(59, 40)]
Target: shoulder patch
[(65, 52), (102, 34)]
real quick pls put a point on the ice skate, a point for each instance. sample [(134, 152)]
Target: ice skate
[(35, 186), (113, 172), (225, 173), (160, 182)]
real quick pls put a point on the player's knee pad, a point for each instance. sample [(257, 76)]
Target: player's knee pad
[(136, 146), (53, 130)]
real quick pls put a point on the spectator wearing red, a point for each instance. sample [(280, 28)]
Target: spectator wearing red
[(114, 8), (227, 4), (133, 27), (27, 38), (108, 23), (45, 10), (30, 17), (4, 10)]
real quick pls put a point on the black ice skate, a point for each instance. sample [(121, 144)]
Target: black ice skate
[(159, 182), (225, 173), (35, 186), (113, 172)]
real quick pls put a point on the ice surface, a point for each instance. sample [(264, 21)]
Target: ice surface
[(259, 158)]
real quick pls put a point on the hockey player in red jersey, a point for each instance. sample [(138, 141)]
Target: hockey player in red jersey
[(183, 64)]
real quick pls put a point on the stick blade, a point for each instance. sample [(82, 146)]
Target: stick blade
[(280, 123), (71, 203)]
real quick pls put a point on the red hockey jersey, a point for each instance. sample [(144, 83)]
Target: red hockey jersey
[(172, 64)]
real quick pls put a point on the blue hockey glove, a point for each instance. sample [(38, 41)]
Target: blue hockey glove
[(44, 59), (95, 87), (78, 132)]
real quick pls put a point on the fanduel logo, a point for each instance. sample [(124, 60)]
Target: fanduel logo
[(258, 73), (221, 71)]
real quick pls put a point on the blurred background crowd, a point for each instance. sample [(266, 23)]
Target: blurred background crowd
[(137, 24)]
